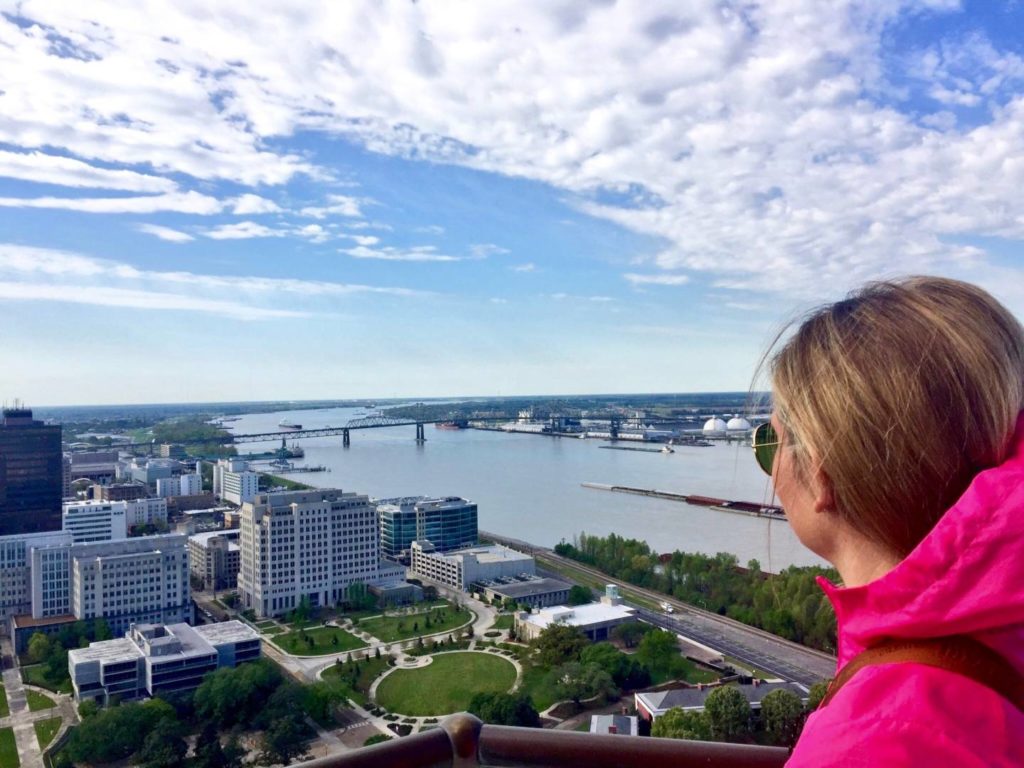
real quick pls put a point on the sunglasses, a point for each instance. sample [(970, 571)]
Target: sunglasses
[(765, 442)]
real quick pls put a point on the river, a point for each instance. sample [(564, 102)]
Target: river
[(528, 486)]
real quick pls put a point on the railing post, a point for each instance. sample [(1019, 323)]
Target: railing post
[(464, 731)]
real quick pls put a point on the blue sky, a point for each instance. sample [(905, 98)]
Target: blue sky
[(434, 199)]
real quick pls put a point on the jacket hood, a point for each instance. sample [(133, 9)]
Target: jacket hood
[(965, 577)]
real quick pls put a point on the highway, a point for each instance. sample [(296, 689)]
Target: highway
[(756, 648)]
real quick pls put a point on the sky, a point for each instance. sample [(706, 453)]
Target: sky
[(253, 201)]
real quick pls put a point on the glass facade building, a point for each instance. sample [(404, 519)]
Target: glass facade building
[(447, 523), (31, 474)]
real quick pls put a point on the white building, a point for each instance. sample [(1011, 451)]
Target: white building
[(155, 659), (150, 511), (182, 485), (464, 567), (311, 544), (595, 620), (124, 581), (214, 557), (16, 570), (95, 520), (234, 482)]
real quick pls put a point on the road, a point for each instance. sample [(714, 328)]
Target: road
[(761, 650)]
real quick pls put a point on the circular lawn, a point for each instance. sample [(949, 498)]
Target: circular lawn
[(446, 685)]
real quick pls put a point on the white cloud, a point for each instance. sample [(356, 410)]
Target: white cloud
[(430, 229), (763, 143), (390, 253), (484, 250), (68, 172), (165, 233), (528, 267), (249, 205), (637, 279), (179, 202), (362, 239), (243, 230), (338, 205), (44, 274)]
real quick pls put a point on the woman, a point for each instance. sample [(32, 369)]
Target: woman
[(897, 450)]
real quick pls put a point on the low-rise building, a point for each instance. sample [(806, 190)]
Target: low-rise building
[(154, 659), (625, 725), (120, 492), (214, 558), (234, 482), (147, 511), (532, 593), (595, 620), (94, 520), (464, 567), (651, 705), (182, 485)]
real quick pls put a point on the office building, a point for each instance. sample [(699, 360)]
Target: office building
[(98, 466), (532, 593), (464, 567), (148, 511), (120, 492), (31, 473), (173, 451), (308, 544), (214, 558), (182, 485), (234, 482), (650, 705), (95, 520), (595, 620), (124, 581), (16, 570), (154, 659), (148, 471), (448, 523)]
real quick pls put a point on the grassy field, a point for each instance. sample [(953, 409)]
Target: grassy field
[(504, 621), (265, 625), (8, 749), (38, 701), (4, 710), (536, 684), (367, 671), (34, 676), (46, 730), (447, 685), (391, 628), (275, 631), (323, 642)]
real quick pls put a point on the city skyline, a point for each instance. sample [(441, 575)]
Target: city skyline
[(429, 200)]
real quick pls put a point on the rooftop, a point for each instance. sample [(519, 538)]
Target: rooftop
[(492, 553), (580, 615), (203, 539), (226, 632), (694, 698), (530, 587), (106, 650)]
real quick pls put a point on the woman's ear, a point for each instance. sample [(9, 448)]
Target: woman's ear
[(824, 492)]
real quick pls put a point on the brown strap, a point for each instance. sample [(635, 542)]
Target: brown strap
[(957, 653)]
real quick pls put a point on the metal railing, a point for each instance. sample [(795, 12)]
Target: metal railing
[(462, 741)]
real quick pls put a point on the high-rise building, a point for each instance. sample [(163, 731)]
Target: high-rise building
[(182, 485), (95, 520), (307, 544), (448, 523), (214, 558), (234, 482), (31, 473)]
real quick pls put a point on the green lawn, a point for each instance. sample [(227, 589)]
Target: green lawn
[(504, 621), (406, 626), (323, 641), (536, 684), (447, 685), (4, 710), (38, 701), (46, 730), (34, 676), (274, 630), (359, 675), (265, 625), (8, 749)]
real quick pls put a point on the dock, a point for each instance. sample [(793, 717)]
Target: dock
[(631, 448), (748, 508)]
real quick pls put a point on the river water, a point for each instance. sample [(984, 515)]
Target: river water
[(529, 486)]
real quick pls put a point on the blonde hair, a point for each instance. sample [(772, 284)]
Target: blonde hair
[(901, 394)]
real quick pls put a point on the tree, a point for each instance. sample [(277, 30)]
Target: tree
[(659, 653), (579, 595), (783, 716), (631, 632), (359, 597), (816, 694), (208, 751), (284, 741), (625, 671), (163, 746), (377, 738), (578, 681), (728, 713), (505, 709), (679, 723), (558, 644), (39, 647)]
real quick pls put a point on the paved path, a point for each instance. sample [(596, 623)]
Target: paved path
[(21, 720)]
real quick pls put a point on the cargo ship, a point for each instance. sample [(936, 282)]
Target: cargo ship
[(285, 424)]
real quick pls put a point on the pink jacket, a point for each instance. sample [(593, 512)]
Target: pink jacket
[(965, 577)]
